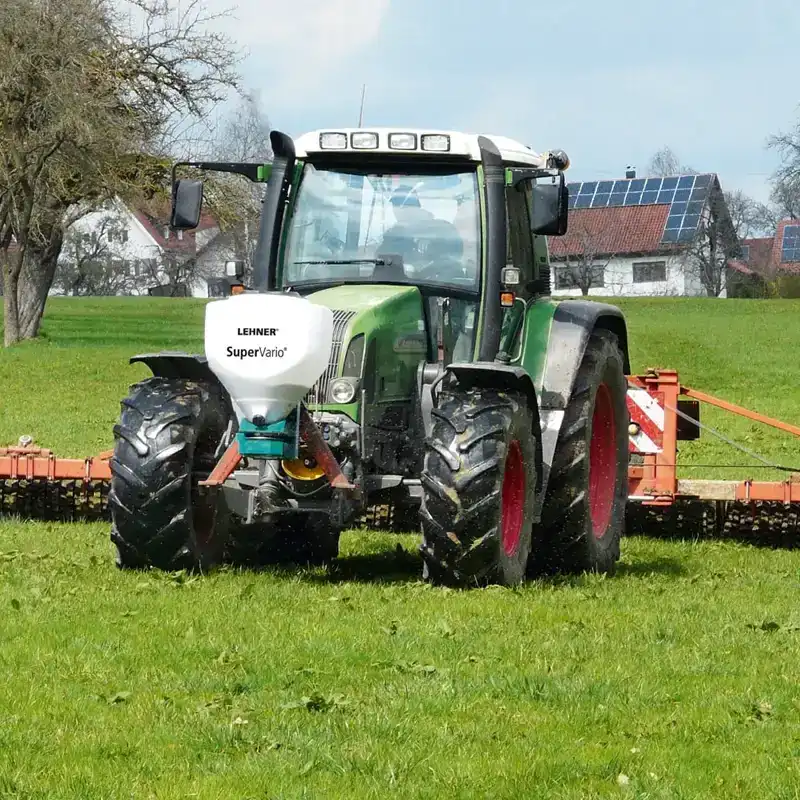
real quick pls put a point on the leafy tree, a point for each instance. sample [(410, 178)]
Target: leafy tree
[(90, 100)]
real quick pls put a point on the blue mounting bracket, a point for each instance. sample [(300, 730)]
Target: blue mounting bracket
[(277, 440)]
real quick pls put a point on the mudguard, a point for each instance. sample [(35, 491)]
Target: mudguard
[(176, 364), (504, 378), (572, 325)]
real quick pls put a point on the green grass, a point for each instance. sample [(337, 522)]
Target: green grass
[(681, 673)]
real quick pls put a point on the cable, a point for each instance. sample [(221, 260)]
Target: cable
[(725, 439)]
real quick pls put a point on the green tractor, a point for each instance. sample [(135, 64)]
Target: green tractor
[(398, 346)]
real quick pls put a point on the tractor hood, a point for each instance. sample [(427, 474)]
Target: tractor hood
[(361, 297), (367, 308), (378, 334)]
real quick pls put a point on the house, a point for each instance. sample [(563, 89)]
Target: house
[(645, 237), (774, 255), (142, 254), (773, 262)]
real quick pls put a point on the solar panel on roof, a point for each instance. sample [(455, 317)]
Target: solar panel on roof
[(685, 194), (790, 246)]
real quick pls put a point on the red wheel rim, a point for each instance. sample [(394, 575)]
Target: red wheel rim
[(602, 461), (513, 499)]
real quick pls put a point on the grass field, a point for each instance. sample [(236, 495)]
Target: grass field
[(678, 678)]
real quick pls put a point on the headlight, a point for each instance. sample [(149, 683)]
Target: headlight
[(343, 390), (364, 141)]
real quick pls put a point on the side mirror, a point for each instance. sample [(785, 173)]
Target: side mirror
[(234, 269), (187, 200), (550, 212)]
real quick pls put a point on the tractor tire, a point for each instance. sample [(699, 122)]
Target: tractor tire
[(166, 440), (478, 487), (584, 511)]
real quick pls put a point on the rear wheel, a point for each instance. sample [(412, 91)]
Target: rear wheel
[(478, 483), (167, 441), (583, 518)]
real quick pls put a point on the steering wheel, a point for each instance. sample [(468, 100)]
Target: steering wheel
[(444, 270)]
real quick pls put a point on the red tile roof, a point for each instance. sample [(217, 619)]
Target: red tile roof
[(612, 231), (739, 266)]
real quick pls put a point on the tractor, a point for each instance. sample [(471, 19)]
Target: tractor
[(398, 344)]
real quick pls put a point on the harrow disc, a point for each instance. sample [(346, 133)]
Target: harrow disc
[(55, 501), (762, 522)]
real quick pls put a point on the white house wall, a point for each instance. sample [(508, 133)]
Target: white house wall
[(618, 280), (141, 246)]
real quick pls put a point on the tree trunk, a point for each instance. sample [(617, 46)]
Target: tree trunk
[(11, 333), (26, 285), (36, 279), (11, 327)]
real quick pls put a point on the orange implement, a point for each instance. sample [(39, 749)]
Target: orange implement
[(32, 463)]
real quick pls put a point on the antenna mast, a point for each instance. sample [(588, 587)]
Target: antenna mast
[(361, 112)]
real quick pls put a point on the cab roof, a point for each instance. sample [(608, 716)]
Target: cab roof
[(422, 142)]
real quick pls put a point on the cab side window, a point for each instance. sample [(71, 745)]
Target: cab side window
[(519, 241)]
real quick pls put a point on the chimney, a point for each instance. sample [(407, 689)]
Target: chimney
[(630, 172)]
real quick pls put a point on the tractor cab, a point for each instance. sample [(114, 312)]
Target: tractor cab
[(433, 240)]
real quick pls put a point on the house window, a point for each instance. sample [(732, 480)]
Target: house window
[(745, 252), (572, 277), (649, 271)]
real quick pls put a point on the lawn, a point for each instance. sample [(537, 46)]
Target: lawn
[(677, 678)]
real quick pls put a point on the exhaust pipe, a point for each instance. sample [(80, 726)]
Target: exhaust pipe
[(266, 255)]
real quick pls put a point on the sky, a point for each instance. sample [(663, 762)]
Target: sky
[(611, 83)]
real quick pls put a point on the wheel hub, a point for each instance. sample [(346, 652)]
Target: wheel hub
[(513, 499), (602, 462)]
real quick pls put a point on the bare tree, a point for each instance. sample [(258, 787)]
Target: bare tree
[(746, 214), (83, 95), (244, 134), (176, 268), (715, 244), (89, 266), (785, 195), (243, 137), (665, 163)]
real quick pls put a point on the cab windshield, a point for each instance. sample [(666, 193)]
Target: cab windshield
[(356, 227)]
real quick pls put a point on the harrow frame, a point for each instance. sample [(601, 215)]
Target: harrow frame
[(660, 503)]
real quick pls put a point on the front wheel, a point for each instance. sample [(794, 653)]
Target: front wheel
[(167, 441), (479, 483)]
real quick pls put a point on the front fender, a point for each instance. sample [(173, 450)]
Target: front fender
[(177, 364), (573, 324)]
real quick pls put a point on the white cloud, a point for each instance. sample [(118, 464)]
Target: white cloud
[(608, 118), (298, 50)]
